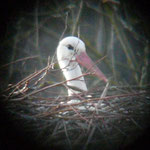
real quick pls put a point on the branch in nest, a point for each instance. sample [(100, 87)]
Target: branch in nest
[(47, 87), (16, 61), (22, 86), (60, 109)]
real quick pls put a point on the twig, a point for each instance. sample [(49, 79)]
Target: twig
[(69, 142), (111, 1), (102, 95), (66, 23), (16, 61), (56, 128), (79, 114), (136, 123), (77, 18), (105, 90), (25, 80), (47, 87), (90, 137), (46, 71)]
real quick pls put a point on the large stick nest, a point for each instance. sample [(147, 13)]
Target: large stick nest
[(114, 123)]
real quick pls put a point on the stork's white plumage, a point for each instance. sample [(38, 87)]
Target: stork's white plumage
[(71, 52)]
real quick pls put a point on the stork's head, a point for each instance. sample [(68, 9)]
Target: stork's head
[(73, 49), (70, 47)]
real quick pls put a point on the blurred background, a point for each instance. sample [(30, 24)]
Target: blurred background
[(115, 29)]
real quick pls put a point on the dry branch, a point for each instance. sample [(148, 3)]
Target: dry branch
[(19, 60)]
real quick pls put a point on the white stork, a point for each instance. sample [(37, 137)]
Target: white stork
[(71, 52)]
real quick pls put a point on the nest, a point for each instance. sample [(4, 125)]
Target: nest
[(110, 122)]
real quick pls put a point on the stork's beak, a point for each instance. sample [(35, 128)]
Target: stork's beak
[(86, 62)]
